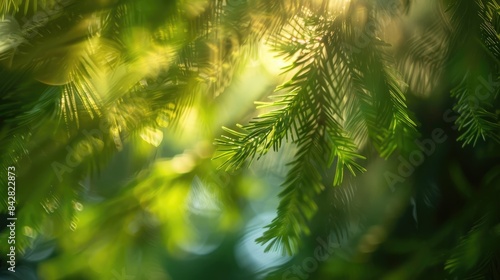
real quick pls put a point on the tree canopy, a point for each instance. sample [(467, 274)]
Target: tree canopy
[(145, 137)]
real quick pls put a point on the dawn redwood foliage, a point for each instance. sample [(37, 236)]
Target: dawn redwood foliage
[(83, 81)]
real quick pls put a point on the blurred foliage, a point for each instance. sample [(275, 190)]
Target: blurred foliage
[(373, 152)]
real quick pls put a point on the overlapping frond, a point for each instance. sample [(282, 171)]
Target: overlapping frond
[(337, 95), (474, 256), (477, 118), (378, 101), (422, 58), (24, 6), (109, 72), (137, 68), (476, 94)]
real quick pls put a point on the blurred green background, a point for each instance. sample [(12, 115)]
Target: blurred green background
[(110, 111)]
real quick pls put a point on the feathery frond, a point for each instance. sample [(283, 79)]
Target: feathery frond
[(476, 93), (310, 113)]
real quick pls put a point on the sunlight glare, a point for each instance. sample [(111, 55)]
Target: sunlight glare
[(273, 63), (152, 136), (183, 163), (334, 6)]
